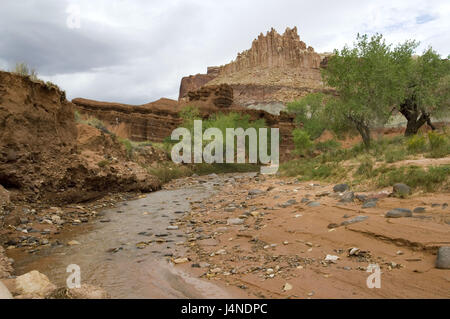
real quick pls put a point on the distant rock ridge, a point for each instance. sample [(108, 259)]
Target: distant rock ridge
[(277, 69)]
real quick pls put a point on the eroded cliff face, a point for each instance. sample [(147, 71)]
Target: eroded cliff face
[(46, 156), (276, 70), (149, 122)]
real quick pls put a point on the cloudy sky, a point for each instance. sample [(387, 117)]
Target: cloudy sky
[(136, 51)]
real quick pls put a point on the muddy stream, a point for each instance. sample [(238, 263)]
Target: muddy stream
[(108, 256)]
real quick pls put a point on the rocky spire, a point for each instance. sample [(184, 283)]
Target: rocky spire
[(275, 50)]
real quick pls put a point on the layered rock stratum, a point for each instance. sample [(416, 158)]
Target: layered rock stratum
[(277, 69)]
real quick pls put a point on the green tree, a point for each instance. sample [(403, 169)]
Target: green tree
[(427, 91), (309, 113), (369, 81)]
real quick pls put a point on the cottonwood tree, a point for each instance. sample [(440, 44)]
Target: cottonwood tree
[(427, 91), (369, 80)]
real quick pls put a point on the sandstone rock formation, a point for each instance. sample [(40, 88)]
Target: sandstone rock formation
[(276, 70), (218, 95), (275, 50), (194, 82)]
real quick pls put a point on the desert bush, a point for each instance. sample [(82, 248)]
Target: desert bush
[(365, 169), (395, 155), (24, 70), (439, 144), (416, 177), (327, 146), (302, 141), (309, 113), (416, 144)]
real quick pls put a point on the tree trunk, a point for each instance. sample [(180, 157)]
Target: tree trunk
[(364, 131), (414, 124), (415, 117)]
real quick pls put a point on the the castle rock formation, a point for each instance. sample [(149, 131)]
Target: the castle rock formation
[(276, 70)]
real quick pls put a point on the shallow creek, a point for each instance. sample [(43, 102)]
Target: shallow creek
[(129, 272)]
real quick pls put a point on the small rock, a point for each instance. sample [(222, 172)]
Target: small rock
[(180, 260), (356, 219), (354, 251), (313, 204), (398, 212), (443, 258), (347, 197), (86, 292), (254, 192), (216, 270), (73, 243), (419, 210), (287, 286), (401, 190), (369, 204), (235, 221), (4, 292), (289, 203), (172, 227), (34, 284), (331, 258), (340, 188)]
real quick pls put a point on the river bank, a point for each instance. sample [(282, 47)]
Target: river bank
[(252, 236)]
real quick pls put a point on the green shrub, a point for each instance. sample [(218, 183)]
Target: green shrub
[(416, 177), (439, 144), (416, 144), (302, 141), (309, 113), (327, 146), (394, 155), (365, 168)]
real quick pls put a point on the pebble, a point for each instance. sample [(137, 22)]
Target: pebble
[(369, 204), (418, 210), (172, 227), (180, 260), (398, 212), (235, 221), (73, 243), (287, 286), (254, 192), (401, 190), (356, 219), (313, 204), (340, 188), (443, 258)]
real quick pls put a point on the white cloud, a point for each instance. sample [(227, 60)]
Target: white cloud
[(136, 51)]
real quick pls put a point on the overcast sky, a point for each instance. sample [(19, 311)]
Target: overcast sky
[(136, 51)]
